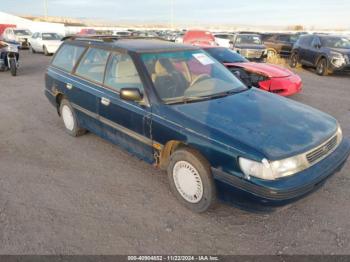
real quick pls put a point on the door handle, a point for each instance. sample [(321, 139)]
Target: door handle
[(105, 101), (69, 86)]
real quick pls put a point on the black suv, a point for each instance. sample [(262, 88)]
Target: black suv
[(250, 46), (327, 53), (279, 44)]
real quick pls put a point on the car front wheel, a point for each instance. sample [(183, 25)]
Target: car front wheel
[(191, 180), (293, 62), (69, 119), (321, 67)]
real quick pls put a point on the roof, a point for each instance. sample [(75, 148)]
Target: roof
[(151, 45), (138, 45)]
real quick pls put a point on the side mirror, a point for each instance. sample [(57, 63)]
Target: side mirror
[(317, 45), (131, 94)]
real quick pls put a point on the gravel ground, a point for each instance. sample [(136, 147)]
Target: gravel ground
[(64, 195)]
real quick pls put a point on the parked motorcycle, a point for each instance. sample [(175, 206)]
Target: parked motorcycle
[(9, 56)]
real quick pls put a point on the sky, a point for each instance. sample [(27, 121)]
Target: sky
[(318, 13)]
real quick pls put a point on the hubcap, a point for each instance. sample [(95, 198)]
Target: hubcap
[(320, 67), (188, 182), (67, 117)]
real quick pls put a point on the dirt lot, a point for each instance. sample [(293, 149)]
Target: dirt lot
[(64, 195)]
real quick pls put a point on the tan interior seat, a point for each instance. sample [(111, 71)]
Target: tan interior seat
[(159, 71), (126, 72)]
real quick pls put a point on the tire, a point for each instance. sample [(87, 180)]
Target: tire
[(45, 51), (271, 53), (69, 119), (191, 180), (293, 61), (13, 67), (322, 67)]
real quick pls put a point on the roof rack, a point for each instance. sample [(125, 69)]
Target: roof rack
[(105, 38)]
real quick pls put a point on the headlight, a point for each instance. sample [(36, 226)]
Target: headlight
[(271, 170), (337, 59)]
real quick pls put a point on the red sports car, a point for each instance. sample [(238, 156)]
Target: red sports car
[(271, 78), (199, 38)]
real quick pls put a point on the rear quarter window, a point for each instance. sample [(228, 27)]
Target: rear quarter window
[(67, 57)]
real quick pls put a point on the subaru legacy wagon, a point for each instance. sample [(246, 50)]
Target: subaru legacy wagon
[(178, 108)]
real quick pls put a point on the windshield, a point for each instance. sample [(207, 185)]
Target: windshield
[(225, 55), (336, 42), (22, 32), (225, 36), (51, 36), (187, 76), (248, 39)]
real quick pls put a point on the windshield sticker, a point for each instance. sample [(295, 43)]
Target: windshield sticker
[(203, 59)]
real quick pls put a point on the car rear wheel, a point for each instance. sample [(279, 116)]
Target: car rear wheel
[(293, 61), (13, 66), (321, 67), (191, 180), (69, 119)]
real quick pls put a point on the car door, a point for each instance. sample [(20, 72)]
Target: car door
[(38, 43), (314, 50), (87, 87), (304, 50), (123, 122)]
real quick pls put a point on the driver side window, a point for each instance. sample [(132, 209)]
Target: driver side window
[(121, 73)]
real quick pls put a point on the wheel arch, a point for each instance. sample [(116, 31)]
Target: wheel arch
[(167, 150), (59, 97), (322, 56)]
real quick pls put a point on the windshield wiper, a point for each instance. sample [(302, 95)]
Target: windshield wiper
[(189, 99)]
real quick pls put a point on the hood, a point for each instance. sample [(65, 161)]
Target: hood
[(340, 50), (268, 70), (272, 125), (250, 46)]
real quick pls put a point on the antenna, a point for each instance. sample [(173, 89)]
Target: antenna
[(46, 9)]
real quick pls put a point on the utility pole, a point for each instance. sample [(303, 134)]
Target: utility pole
[(172, 14), (46, 9)]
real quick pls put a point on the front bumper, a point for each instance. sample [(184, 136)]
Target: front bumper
[(283, 86), (345, 68), (253, 54), (293, 187)]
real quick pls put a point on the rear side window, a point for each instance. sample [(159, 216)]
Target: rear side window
[(121, 72), (67, 57), (305, 40), (92, 65), (284, 38)]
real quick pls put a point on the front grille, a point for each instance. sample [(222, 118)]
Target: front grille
[(322, 151), (251, 53)]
